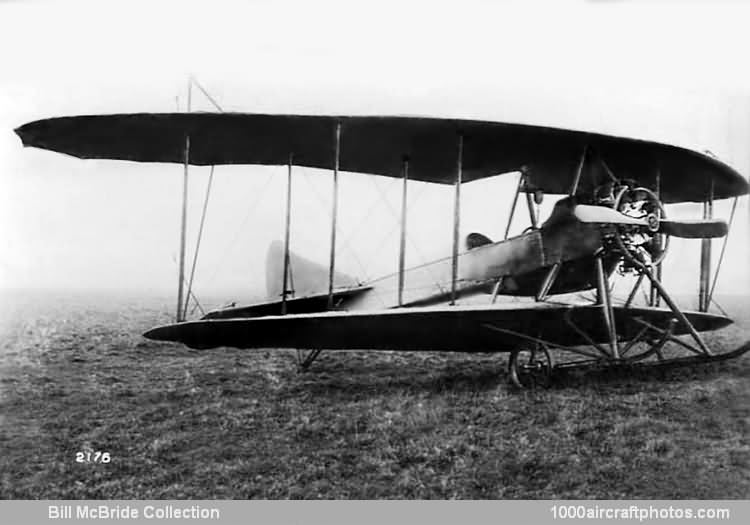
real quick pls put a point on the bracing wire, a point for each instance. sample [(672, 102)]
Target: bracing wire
[(413, 199), (198, 241), (382, 197), (723, 251), (250, 211), (192, 294), (419, 194), (193, 81), (724, 312), (345, 241), (206, 93), (364, 219)]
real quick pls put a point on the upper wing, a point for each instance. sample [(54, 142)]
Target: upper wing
[(378, 144), (445, 328)]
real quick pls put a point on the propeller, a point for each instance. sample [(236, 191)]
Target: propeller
[(688, 229), (699, 229)]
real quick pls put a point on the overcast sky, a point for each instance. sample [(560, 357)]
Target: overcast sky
[(672, 72)]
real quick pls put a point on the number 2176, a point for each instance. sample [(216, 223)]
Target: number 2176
[(93, 457)]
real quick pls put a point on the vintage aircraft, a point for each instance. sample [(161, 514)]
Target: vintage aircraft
[(610, 218)]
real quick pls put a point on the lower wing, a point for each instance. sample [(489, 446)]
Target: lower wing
[(486, 328)]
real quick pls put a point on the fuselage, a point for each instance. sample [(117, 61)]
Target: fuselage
[(520, 263)]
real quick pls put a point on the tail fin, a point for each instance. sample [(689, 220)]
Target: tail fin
[(305, 277)]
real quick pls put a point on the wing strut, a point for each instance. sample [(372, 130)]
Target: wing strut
[(548, 281), (577, 179), (183, 222), (287, 224), (606, 303), (533, 215), (334, 211), (521, 178), (198, 245), (654, 297), (183, 229), (705, 271), (723, 251), (456, 218), (190, 294), (402, 240)]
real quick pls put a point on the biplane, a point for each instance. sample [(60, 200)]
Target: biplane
[(610, 219)]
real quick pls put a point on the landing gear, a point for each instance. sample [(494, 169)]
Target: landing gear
[(643, 252), (304, 361), (531, 367), (608, 336)]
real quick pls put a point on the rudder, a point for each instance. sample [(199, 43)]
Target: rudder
[(306, 277)]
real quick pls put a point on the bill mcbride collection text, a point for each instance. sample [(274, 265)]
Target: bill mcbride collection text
[(132, 511)]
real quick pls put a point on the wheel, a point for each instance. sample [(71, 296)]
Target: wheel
[(530, 368)]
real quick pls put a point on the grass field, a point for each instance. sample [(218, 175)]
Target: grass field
[(75, 375)]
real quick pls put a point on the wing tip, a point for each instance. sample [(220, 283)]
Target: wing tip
[(22, 134)]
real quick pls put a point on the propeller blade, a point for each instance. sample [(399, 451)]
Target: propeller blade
[(699, 229), (687, 229), (604, 215)]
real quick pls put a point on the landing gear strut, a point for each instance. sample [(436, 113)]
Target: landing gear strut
[(304, 362)]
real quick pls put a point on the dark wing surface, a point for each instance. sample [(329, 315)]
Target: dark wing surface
[(378, 144), (455, 328)]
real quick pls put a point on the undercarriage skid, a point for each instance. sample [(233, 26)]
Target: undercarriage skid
[(534, 366)]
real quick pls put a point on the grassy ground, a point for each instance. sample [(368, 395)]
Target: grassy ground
[(227, 423)]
